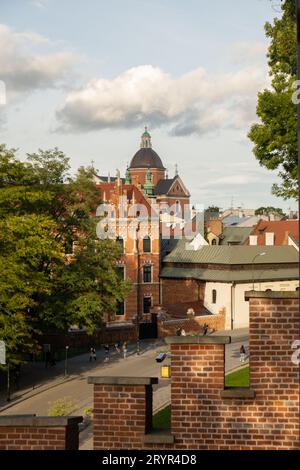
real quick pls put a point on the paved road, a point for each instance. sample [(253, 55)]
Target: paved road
[(77, 388)]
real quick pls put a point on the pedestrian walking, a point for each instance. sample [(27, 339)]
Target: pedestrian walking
[(242, 353), (47, 358), (93, 354), (125, 349), (118, 347), (183, 333), (205, 329), (178, 332), (106, 349)]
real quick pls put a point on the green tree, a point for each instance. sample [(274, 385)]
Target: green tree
[(269, 210), (43, 211), (275, 137)]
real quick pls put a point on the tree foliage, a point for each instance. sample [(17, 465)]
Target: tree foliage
[(275, 137), (269, 210), (43, 212)]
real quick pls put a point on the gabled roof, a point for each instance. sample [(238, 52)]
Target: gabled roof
[(230, 255), (235, 235), (163, 186), (280, 228), (129, 190)]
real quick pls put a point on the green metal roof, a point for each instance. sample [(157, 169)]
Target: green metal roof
[(235, 235), (218, 275), (238, 254)]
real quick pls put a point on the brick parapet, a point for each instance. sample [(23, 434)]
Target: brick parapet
[(39, 433)]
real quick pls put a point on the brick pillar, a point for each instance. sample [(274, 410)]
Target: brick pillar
[(122, 411), (197, 380), (39, 433), (274, 326)]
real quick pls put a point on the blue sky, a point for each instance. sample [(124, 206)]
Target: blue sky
[(86, 76)]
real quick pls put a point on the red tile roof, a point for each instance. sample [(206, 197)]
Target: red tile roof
[(280, 228), (130, 190)]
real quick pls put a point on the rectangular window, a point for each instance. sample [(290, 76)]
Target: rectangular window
[(121, 272), (120, 308), (147, 304), (147, 273), (147, 245)]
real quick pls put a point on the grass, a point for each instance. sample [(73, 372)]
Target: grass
[(162, 419), (240, 378)]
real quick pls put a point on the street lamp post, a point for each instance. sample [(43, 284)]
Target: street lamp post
[(8, 383), (66, 361), (253, 259)]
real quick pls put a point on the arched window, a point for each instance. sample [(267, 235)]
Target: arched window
[(147, 244), (214, 296), (214, 241), (121, 243)]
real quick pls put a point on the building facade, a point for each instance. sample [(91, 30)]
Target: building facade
[(141, 206)]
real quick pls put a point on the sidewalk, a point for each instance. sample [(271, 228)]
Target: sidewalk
[(36, 378)]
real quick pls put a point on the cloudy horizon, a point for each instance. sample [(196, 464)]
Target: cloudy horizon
[(87, 76)]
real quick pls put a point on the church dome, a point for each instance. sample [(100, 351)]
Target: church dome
[(145, 157)]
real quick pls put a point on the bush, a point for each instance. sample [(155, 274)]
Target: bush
[(62, 407)]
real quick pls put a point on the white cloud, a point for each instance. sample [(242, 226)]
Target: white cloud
[(23, 71), (196, 102)]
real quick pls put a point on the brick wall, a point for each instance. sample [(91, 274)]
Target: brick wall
[(39, 433), (122, 411), (81, 339), (204, 414), (181, 290), (191, 325)]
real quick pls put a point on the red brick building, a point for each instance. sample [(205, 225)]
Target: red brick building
[(139, 201)]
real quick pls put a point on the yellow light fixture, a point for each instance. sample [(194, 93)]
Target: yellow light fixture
[(165, 372)]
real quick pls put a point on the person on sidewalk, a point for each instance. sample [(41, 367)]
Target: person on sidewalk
[(106, 349), (93, 354), (125, 349), (242, 353), (118, 347), (205, 329)]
